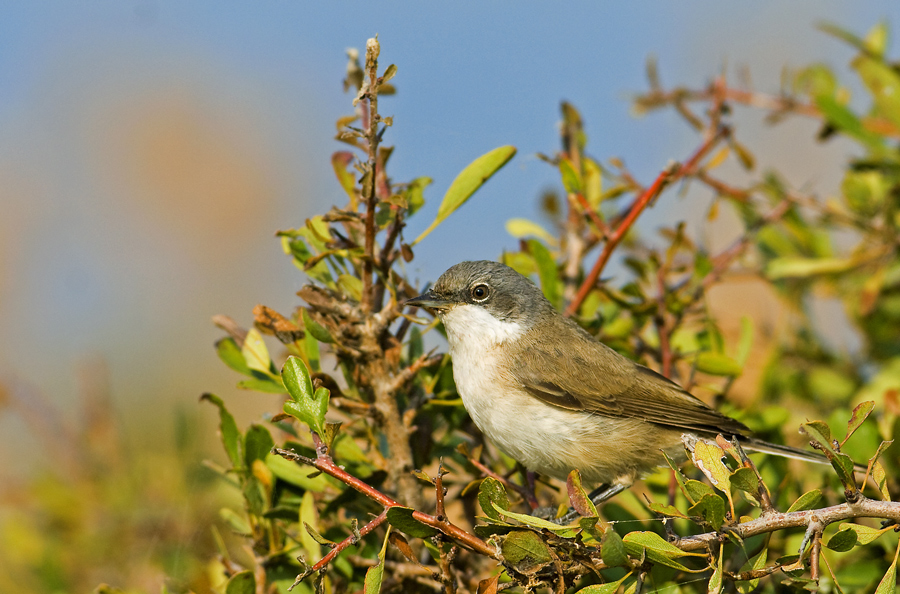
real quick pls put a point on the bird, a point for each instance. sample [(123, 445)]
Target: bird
[(553, 397)]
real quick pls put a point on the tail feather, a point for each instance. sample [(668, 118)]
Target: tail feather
[(758, 445)]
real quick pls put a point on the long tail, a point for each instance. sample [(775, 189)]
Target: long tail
[(758, 445)]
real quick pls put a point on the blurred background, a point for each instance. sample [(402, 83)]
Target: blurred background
[(150, 150)]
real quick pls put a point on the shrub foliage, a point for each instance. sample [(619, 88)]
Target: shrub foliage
[(373, 477)]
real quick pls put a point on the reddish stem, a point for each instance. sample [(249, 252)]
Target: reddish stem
[(349, 541), (669, 175), (600, 224), (324, 463)]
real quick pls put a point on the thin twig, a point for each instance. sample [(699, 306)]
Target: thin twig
[(372, 139), (327, 465), (669, 175)]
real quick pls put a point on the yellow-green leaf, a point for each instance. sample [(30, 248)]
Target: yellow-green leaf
[(467, 182), (375, 574), (255, 352), (715, 363), (520, 228)]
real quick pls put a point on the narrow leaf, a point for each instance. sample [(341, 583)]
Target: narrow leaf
[(228, 430), (318, 331), (578, 497), (860, 413), (809, 500), (467, 182), (375, 574)]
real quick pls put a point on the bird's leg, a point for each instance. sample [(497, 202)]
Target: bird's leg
[(604, 492), (530, 489), (597, 496)]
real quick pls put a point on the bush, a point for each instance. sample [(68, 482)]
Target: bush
[(372, 475)]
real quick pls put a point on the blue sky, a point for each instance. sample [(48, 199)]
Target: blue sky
[(103, 251)]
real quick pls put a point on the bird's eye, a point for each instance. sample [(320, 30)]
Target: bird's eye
[(480, 292)]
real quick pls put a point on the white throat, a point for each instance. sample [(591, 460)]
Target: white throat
[(472, 331)]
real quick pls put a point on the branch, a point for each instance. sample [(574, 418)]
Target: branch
[(370, 92), (324, 463), (864, 508), (669, 175)]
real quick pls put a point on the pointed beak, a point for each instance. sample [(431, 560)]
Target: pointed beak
[(429, 300)]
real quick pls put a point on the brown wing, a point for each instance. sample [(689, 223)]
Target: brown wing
[(587, 375)]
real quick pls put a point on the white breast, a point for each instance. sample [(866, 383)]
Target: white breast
[(546, 439)]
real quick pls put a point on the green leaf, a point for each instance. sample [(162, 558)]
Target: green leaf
[(667, 510), (228, 430), (656, 549), (878, 472), (607, 588), (842, 34), (809, 500), (402, 519), (539, 523), (237, 523), (340, 161), (296, 474), (310, 538), (492, 491), (524, 547), (467, 182), (230, 354), (715, 363), (258, 443), (844, 466), (612, 550), (715, 581), (351, 286), (860, 413), (745, 480), (579, 497), (884, 84), (593, 183), (757, 562), (415, 193), (375, 574), (520, 228), (820, 433), (242, 582), (697, 490), (711, 508), (570, 178), (864, 534), (680, 479), (707, 457), (888, 584), (847, 122), (254, 496), (317, 330), (546, 271), (842, 541), (255, 352), (307, 406), (266, 383), (746, 341)]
